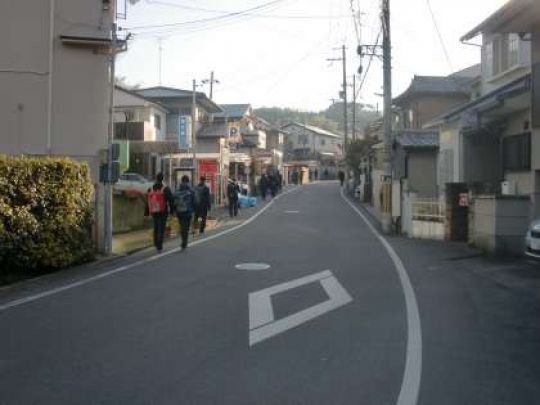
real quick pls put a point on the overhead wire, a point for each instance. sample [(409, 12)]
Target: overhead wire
[(441, 40), (227, 16), (277, 16), (356, 23), (368, 65)]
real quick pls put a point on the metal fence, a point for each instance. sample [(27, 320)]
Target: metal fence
[(427, 209)]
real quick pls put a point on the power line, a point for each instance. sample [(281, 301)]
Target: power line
[(210, 19), (440, 36), (278, 16), (355, 20), (368, 65)]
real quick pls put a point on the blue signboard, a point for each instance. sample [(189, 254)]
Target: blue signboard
[(184, 132)]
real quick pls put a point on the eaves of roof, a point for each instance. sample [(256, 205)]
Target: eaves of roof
[(514, 16), (164, 93), (137, 95), (415, 139), (511, 89)]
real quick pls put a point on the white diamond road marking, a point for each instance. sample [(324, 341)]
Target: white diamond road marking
[(262, 324), (252, 266)]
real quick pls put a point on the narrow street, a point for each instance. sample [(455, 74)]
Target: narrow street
[(327, 322)]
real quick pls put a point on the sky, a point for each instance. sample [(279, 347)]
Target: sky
[(277, 53)]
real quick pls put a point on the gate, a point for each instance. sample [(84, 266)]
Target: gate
[(457, 212)]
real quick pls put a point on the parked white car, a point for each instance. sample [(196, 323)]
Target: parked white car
[(133, 182), (532, 240)]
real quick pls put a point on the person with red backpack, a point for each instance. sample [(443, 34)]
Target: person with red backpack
[(159, 203)]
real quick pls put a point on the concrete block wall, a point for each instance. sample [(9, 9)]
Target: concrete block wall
[(499, 224)]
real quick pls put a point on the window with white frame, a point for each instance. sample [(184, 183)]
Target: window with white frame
[(501, 54), (488, 51), (513, 50)]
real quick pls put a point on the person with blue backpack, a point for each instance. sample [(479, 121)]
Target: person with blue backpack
[(184, 205)]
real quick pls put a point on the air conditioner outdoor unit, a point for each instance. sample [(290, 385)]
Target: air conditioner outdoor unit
[(508, 187)]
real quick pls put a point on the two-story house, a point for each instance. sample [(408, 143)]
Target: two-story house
[(486, 144), (179, 103), (54, 81), (416, 149), (140, 127), (311, 149)]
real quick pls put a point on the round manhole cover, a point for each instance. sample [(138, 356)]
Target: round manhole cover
[(252, 266)]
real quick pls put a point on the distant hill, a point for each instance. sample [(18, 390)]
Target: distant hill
[(330, 119)]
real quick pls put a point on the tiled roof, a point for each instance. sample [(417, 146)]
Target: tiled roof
[(317, 130), (213, 131), (233, 110), (418, 139), (163, 92), (422, 85)]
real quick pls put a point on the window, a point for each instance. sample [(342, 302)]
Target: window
[(157, 121), (323, 141), (517, 152), (513, 50), (501, 54), (489, 59)]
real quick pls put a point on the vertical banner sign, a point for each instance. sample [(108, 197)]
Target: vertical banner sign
[(184, 132)]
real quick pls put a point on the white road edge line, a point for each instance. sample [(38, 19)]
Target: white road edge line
[(47, 293), (410, 385)]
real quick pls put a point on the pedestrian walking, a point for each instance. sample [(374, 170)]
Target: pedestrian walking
[(294, 177), (202, 204), (273, 183), (232, 195), (341, 177), (184, 205), (263, 185), (159, 202), (316, 175)]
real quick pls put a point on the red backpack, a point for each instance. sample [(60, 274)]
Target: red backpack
[(156, 202)]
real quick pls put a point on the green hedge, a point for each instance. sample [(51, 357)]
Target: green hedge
[(46, 214)]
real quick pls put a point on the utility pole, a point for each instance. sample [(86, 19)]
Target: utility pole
[(107, 212), (386, 218), (211, 81), (345, 127), (160, 48), (343, 59), (193, 135), (353, 129)]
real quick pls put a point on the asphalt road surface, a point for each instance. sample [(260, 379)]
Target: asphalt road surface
[(329, 314)]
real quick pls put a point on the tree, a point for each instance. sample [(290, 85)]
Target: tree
[(358, 150), (122, 82), (330, 119)]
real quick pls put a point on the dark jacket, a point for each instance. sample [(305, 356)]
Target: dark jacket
[(202, 197), (232, 191), (191, 199)]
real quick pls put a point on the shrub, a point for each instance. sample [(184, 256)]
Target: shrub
[(45, 214)]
